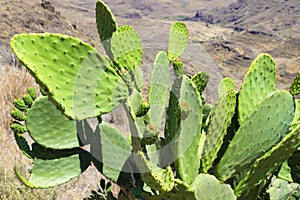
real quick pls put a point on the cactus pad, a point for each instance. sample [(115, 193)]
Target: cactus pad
[(73, 74), (295, 88), (178, 39), (49, 127), (227, 84), (106, 23), (158, 89), (209, 187), (258, 133), (52, 168), (187, 137), (126, 47), (115, 151), (259, 82), (270, 161), (220, 119), (200, 79)]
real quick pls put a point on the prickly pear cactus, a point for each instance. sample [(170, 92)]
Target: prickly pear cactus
[(178, 39), (55, 167), (158, 89), (209, 187), (126, 48), (78, 79), (247, 145), (113, 145), (295, 88), (49, 127), (187, 137), (106, 25), (259, 82), (200, 79), (220, 119), (269, 162), (226, 84)]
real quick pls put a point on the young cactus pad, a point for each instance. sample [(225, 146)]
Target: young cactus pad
[(74, 75), (49, 127), (178, 39), (267, 124), (126, 48), (260, 81)]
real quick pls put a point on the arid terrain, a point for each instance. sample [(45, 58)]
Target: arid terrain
[(225, 36)]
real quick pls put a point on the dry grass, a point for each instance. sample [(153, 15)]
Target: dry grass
[(14, 81)]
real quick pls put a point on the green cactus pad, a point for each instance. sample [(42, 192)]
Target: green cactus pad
[(106, 23), (259, 82), (220, 119), (283, 190), (270, 161), (32, 92), (227, 84), (49, 127), (157, 178), (158, 89), (72, 73), (23, 145), (18, 115), (200, 79), (178, 39), (20, 104), (115, 151), (187, 136), (27, 100), (55, 167), (208, 187), (267, 124), (295, 88), (18, 128), (126, 47)]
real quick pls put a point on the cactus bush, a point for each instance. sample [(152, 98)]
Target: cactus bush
[(178, 146)]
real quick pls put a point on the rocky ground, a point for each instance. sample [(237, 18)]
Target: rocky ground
[(224, 36)]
